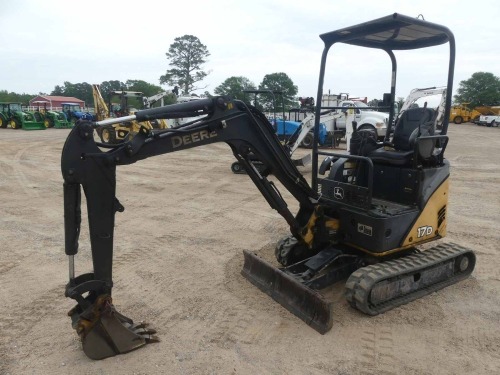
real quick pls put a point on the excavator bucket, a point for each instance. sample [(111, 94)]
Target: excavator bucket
[(105, 332), (305, 303)]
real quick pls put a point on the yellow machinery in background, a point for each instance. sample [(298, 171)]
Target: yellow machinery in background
[(125, 130), (461, 113)]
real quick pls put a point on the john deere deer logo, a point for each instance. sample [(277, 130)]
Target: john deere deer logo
[(338, 193)]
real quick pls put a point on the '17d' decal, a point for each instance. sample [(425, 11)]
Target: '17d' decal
[(426, 230)]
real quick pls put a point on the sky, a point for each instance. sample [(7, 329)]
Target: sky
[(45, 43)]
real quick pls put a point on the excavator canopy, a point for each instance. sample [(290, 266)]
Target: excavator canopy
[(394, 32)]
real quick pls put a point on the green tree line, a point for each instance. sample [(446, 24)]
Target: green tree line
[(186, 57), (481, 88), (232, 86)]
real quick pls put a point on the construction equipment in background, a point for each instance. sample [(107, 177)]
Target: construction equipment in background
[(74, 112), (363, 218), (334, 115), (101, 110), (329, 133), (127, 129), (149, 102), (288, 132), (417, 94), (459, 113), (50, 118), (176, 122), (128, 103), (436, 94), (12, 115), (462, 113)]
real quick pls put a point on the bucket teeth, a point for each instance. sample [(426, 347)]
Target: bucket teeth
[(105, 332)]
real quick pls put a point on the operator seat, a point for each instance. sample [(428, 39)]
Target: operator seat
[(406, 132)]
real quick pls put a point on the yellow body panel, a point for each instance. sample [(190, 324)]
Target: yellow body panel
[(426, 227), (308, 231)]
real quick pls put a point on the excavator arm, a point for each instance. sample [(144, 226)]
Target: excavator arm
[(105, 332)]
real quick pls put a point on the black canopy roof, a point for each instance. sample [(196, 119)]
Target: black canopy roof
[(394, 32)]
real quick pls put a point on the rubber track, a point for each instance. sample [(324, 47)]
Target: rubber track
[(362, 281)]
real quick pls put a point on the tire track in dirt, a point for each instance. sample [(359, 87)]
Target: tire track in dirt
[(261, 318), (6, 171), (162, 280), (23, 181), (479, 338), (21, 319), (377, 348), (7, 266), (191, 305)]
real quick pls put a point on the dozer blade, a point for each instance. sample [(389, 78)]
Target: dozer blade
[(105, 332), (300, 300), (302, 162)]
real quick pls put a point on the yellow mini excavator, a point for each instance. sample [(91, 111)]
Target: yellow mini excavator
[(361, 219)]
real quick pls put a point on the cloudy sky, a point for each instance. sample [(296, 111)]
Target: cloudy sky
[(44, 43)]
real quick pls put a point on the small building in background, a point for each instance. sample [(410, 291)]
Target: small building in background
[(55, 102)]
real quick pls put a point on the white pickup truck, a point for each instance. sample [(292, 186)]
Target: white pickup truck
[(490, 120), (365, 117), (335, 120)]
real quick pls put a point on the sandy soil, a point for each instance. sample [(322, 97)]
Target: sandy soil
[(178, 256)]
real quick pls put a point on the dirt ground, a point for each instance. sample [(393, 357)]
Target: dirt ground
[(178, 256)]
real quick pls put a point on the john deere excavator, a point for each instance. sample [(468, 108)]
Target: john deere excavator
[(362, 218)]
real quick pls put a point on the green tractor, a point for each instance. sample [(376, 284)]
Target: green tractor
[(50, 118), (12, 114)]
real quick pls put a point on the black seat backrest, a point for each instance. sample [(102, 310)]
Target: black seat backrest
[(406, 125)]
